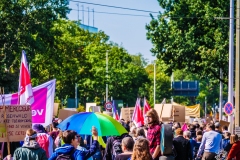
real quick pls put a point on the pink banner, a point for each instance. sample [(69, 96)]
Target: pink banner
[(42, 108)]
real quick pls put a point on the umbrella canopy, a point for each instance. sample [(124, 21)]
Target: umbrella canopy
[(82, 123)]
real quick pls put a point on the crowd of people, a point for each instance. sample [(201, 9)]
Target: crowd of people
[(189, 142)]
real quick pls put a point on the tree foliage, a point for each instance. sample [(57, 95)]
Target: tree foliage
[(25, 25), (188, 36)]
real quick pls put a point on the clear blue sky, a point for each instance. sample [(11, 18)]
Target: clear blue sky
[(127, 31)]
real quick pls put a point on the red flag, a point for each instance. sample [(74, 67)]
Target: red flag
[(146, 108), (25, 92), (115, 111), (137, 117)]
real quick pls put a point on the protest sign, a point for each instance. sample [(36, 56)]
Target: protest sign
[(55, 109), (18, 120), (170, 112), (65, 113), (223, 123), (88, 105), (126, 113)]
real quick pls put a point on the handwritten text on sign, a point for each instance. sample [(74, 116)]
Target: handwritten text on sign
[(18, 120)]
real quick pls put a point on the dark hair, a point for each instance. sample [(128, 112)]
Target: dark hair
[(199, 132), (211, 126), (192, 127), (197, 125), (68, 136), (225, 127), (128, 142), (140, 132), (54, 124), (228, 134), (199, 138)]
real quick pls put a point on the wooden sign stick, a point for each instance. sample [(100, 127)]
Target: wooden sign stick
[(5, 117)]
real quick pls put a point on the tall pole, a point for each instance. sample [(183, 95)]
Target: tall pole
[(220, 95), (237, 72), (205, 109), (88, 15), (76, 101), (107, 76), (154, 85), (78, 11), (82, 14), (93, 16), (230, 69), (172, 81)]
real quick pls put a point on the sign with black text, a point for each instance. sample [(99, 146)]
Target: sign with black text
[(18, 120)]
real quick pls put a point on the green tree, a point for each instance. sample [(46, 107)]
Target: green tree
[(188, 37), (25, 25), (163, 83)]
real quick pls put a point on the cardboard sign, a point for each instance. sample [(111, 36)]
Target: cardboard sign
[(223, 123), (178, 113), (88, 105), (95, 109), (55, 109), (170, 112), (18, 121), (63, 113), (126, 113)]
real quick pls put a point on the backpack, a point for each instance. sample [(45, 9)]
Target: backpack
[(116, 147), (43, 142), (65, 157)]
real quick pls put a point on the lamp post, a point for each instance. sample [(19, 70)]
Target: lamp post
[(107, 76), (154, 85), (230, 67)]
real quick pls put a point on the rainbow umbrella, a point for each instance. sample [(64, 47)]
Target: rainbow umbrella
[(82, 123)]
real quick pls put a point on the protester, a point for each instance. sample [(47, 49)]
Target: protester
[(211, 143), (141, 150), (226, 142), (140, 133), (127, 148), (235, 149), (187, 135), (153, 133), (82, 146), (192, 129), (133, 132), (217, 128), (113, 146), (176, 125), (181, 146), (196, 147), (58, 140), (70, 138), (45, 140), (55, 131), (30, 149), (225, 129)]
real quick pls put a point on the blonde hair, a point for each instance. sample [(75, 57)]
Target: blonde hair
[(233, 138), (141, 150), (30, 132)]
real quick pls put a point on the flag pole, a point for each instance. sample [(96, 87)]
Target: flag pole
[(5, 118)]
